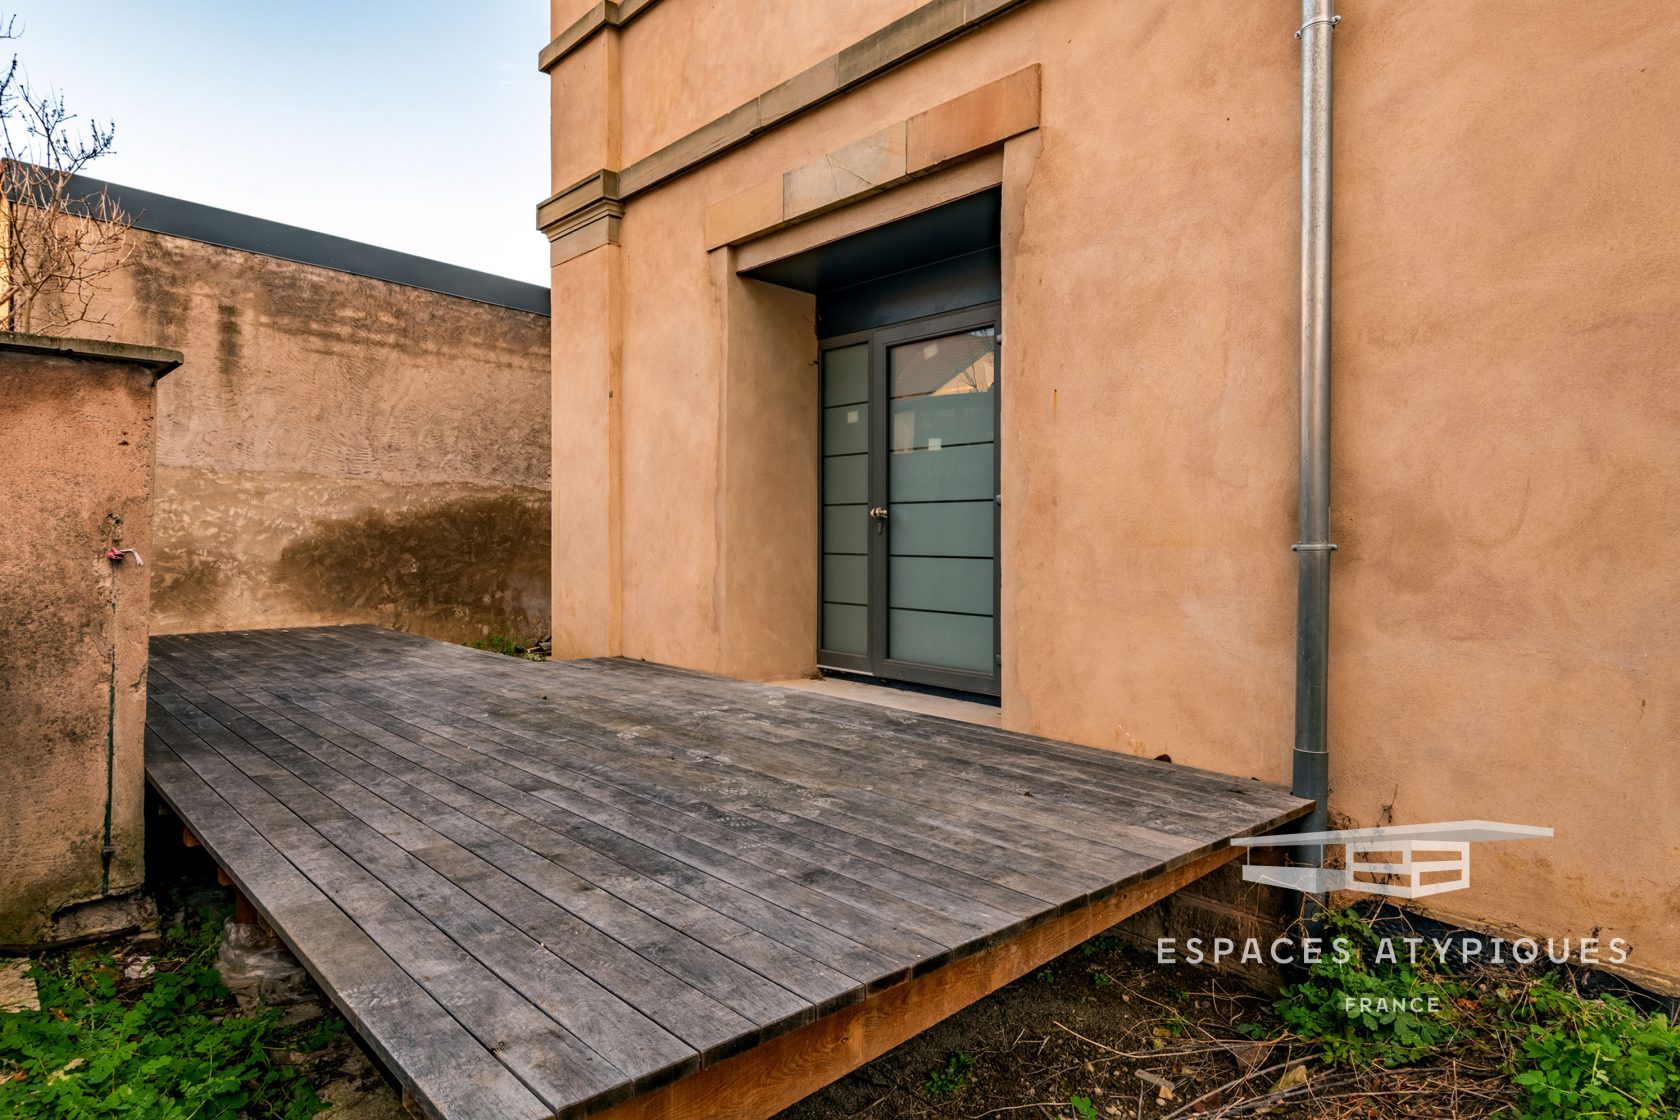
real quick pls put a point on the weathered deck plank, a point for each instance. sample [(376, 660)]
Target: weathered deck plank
[(550, 1062), (623, 731), (580, 885), (406, 854), (622, 964), (443, 1066)]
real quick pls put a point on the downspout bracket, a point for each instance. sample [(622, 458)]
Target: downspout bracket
[(1332, 21), (1316, 546)]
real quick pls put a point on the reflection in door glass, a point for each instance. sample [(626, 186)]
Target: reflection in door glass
[(941, 478)]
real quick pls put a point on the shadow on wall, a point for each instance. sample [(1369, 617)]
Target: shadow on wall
[(186, 579), (250, 550), (456, 569)]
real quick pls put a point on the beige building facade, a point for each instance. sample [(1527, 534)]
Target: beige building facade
[(821, 268)]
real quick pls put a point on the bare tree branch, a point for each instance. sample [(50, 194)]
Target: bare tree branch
[(61, 241)]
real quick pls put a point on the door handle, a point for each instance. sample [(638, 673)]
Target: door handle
[(879, 513)]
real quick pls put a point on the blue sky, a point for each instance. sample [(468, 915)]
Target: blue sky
[(420, 126)]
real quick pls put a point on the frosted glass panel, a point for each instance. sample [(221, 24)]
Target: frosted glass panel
[(845, 478), (845, 628), (948, 421), (845, 498), (952, 641), (846, 375), (944, 473), (846, 579), (942, 584), (941, 485), (846, 529), (846, 429), (942, 528)]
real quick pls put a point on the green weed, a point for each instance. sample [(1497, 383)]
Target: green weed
[(1568, 1056), (952, 1078), (506, 644), (1173, 1026), (1083, 1106), (1362, 1009), (1597, 1057), (327, 1032), (1102, 943), (165, 1048)]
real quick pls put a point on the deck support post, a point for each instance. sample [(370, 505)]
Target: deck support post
[(243, 912)]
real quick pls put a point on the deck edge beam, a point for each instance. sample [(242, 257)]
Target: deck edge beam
[(757, 1084)]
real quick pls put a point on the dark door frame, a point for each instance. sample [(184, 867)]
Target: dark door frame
[(876, 662)]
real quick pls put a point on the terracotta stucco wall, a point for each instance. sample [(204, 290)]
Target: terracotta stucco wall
[(1506, 622), (686, 40), (341, 449), (76, 449), (1507, 263)]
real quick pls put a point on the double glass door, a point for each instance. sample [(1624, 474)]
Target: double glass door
[(909, 501)]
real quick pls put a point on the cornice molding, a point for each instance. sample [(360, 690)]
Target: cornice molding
[(607, 14), (923, 29), (595, 187)]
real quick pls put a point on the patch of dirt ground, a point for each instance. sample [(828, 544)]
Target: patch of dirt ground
[(1105, 1031), (1102, 1024)]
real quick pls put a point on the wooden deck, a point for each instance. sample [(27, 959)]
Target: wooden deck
[(558, 889)]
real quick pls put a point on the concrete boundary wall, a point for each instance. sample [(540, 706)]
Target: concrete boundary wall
[(342, 447)]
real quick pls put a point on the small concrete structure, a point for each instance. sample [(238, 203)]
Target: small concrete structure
[(77, 423)]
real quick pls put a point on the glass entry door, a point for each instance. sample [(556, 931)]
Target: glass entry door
[(909, 502)]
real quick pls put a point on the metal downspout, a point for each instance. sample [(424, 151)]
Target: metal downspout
[(1312, 633)]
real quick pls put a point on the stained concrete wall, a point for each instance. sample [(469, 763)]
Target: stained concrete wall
[(76, 452), (341, 449), (1507, 261)]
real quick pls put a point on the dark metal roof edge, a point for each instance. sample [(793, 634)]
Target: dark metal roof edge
[(212, 225)]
